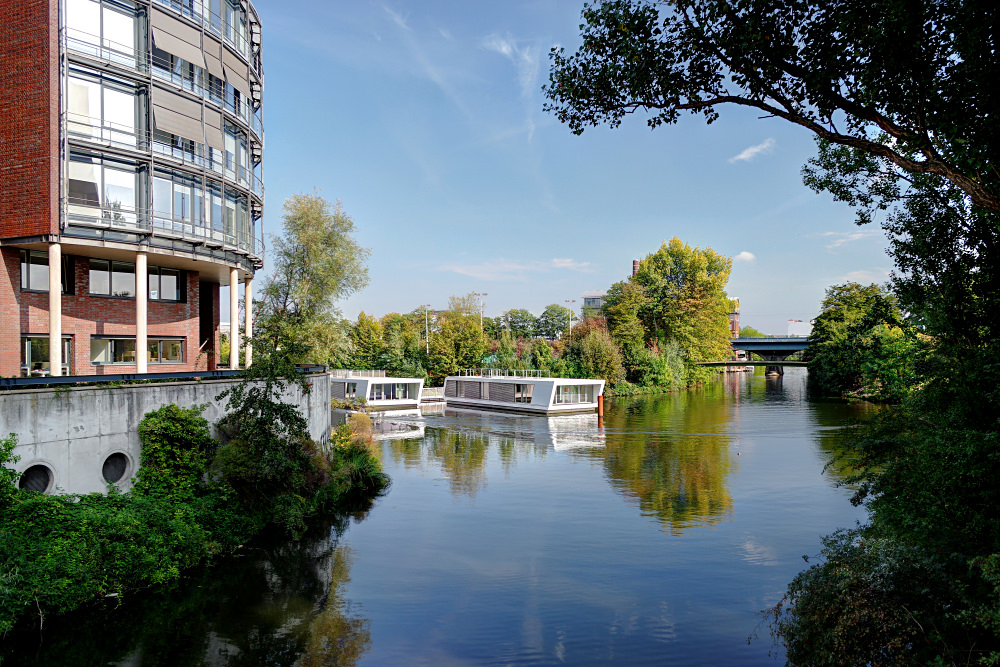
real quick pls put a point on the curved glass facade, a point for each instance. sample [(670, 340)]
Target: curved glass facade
[(163, 126)]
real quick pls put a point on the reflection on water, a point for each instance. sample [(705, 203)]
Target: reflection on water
[(519, 539), (281, 603)]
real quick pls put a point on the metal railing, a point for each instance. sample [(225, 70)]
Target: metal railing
[(34, 382), (145, 221), (106, 50), (504, 373), (350, 373), (198, 12)]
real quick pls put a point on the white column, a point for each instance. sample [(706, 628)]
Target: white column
[(55, 309), (248, 324), (234, 319), (141, 311)]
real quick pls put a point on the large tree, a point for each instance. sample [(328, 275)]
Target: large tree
[(910, 81), (316, 262)]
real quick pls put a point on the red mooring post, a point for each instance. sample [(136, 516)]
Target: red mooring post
[(600, 405)]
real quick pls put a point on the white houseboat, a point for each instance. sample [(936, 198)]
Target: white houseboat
[(379, 391), (528, 391)]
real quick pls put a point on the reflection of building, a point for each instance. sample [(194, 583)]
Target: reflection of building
[(131, 143), (562, 432), (379, 391), (594, 299)]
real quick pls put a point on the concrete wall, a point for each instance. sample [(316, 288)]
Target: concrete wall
[(73, 431)]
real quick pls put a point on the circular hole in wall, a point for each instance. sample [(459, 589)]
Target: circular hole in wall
[(36, 478), (115, 467)]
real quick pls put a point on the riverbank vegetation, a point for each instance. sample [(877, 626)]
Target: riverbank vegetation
[(650, 334), (899, 102), (196, 499)]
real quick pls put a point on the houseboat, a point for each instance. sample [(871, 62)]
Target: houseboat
[(527, 391), (379, 391)]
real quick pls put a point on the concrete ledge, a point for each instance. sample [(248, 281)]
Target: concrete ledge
[(73, 430)]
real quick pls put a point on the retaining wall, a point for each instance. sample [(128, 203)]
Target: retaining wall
[(73, 431)]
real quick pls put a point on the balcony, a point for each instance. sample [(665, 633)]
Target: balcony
[(121, 218), (106, 51), (197, 11)]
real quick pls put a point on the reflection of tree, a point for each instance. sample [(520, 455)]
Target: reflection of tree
[(670, 452), (281, 604), (462, 456), (832, 417)]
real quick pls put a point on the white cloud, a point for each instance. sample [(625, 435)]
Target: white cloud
[(866, 276), (503, 269), (396, 17), (753, 151), (525, 59), (838, 239), (745, 256)]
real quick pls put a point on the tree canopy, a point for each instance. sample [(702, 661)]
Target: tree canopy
[(912, 82)]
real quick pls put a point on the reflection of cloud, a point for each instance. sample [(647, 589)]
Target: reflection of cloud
[(745, 256), (838, 239), (758, 554), (503, 269), (753, 151)]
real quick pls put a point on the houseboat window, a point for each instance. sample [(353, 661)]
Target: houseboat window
[(574, 393), (485, 387), (351, 390), (522, 393)]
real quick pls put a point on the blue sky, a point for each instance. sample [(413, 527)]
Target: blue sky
[(425, 119)]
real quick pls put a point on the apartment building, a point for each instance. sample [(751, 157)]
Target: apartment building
[(131, 144)]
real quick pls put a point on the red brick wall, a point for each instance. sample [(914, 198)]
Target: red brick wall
[(29, 118), (85, 315)]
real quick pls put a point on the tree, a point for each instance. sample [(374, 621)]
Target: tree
[(520, 323), (553, 321), (621, 309), (911, 83), (316, 262), (367, 344), (747, 331), (459, 341)]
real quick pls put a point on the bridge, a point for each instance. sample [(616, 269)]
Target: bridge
[(774, 352)]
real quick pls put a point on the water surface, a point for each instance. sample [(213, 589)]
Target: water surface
[(654, 538)]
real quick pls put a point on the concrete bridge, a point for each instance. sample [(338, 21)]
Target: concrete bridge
[(774, 352)]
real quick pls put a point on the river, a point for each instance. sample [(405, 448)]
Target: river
[(516, 540)]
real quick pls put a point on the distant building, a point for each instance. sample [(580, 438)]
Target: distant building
[(734, 319), (594, 299), (799, 329)]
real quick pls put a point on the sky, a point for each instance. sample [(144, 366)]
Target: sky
[(424, 118)]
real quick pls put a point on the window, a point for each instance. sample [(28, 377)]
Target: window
[(35, 272), (102, 108), (237, 156), (122, 350), (178, 71), (522, 393), (351, 390), (178, 202), (110, 278), (574, 393), (165, 284), (101, 189), (35, 355), (102, 29), (179, 148)]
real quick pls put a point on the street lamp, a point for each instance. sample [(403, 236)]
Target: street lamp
[(481, 307), (570, 318), (427, 330)]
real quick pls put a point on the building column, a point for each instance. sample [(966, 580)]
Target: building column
[(248, 324), (234, 319), (141, 312), (55, 310)]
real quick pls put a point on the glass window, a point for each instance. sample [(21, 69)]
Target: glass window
[(171, 350), (85, 184), (523, 392), (35, 271), (119, 194), (101, 190), (35, 355), (100, 276), (164, 284), (106, 32), (112, 350), (123, 279)]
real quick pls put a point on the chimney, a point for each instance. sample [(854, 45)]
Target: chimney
[(635, 266)]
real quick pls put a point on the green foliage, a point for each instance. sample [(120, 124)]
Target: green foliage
[(553, 321), (747, 331), (598, 357), (315, 261), (914, 71), (175, 447), (520, 323), (8, 476), (861, 345), (367, 344)]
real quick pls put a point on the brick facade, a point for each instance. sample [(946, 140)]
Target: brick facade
[(29, 120), (84, 316)]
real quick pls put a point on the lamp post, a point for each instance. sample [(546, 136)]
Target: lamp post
[(570, 318), (427, 329), (481, 307)]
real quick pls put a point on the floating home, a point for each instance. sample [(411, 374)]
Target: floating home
[(527, 391), (380, 391)]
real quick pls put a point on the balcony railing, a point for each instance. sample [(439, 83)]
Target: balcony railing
[(117, 217), (106, 50), (99, 131), (199, 12), (503, 373)]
